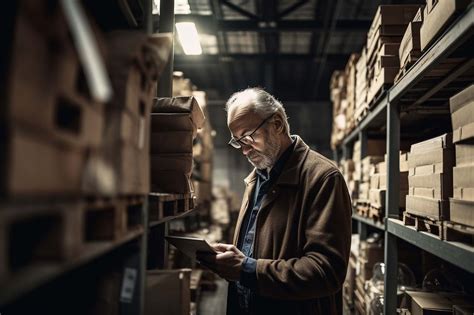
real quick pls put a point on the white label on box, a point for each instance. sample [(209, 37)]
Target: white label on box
[(128, 285)]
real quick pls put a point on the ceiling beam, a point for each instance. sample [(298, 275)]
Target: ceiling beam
[(212, 59), (207, 24)]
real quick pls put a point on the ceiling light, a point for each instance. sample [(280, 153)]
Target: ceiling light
[(189, 38)]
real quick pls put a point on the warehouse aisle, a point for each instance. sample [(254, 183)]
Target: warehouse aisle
[(214, 302)]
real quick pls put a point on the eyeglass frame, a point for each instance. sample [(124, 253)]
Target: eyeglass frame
[(237, 141)]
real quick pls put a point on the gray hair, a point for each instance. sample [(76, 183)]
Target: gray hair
[(264, 104)]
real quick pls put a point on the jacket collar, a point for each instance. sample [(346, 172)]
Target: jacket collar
[(291, 170)]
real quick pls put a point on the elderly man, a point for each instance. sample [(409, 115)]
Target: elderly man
[(293, 234)]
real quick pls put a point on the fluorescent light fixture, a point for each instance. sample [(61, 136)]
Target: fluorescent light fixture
[(180, 7), (189, 38)]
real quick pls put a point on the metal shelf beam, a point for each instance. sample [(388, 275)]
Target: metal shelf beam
[(456, 253)]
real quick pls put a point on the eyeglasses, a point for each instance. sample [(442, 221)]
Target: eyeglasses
[(247, 139)]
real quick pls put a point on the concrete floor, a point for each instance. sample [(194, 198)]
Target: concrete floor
[(214, 302)]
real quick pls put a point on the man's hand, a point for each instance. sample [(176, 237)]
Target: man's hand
[(227, 263)]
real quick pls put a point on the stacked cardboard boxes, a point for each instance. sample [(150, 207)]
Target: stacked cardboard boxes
[(168, 292), (383, 42), (51, 123), (419, 302), (202, 153), (462, 114), (430, 178), (174, 126), (378, 186), (437, 15), (361, 105), (351, 79), (410, 50), (370, 253), (339, 103), (134, 71), (375, 150)]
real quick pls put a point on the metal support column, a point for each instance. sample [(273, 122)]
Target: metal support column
[(391, 206), (166, 25), (362, 227), (148, 29)]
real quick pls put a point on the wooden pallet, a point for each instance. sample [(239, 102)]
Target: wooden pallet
[(376, 213), (59, 233), (380, 93), (163, 205), (424, 224), (362, 209), (458, 233)]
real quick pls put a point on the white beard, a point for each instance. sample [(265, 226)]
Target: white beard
[(268, 155)]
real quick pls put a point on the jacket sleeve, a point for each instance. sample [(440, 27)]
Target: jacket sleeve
[(321, 269)]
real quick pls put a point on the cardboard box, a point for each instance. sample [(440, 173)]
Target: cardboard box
[(463, 309), (410, 45), (386, 76), (463, 133), (461, 211), (438, 15), (435, 186), (172, 162), (35, 166), (47, 94), (462, 98), (427, 303), (171, 142), (168, 292), (463, 116), (171, 182), (427, 207), (444, 141), (464, 154), (431, 161), (463, 182), (186, 105)]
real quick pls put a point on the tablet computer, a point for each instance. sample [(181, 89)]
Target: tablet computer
[(191, 245)]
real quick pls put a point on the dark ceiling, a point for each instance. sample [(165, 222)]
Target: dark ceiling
[(289, 47)]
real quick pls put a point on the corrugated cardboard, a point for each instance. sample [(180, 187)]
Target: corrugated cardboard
[(36, 166), (464, 154), (464, 193), (172, 162), (171, 142), (433, 161), (410, 42), (181, 104), (404, 157), (462, 211), (427, 207), (377, 197), (463, 133), (171, 182), (375, 181), (463, 116), (463, 177), (440, 184), (438, 17), (168, 292), (427, 303), (462, 98), (419, 15), (444, 141)]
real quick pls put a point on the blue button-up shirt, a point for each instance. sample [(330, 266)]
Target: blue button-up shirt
[(265, 181)]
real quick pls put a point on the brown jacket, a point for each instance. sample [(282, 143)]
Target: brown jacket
[(303, 237)]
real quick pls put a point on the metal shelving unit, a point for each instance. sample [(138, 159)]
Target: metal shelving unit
[(387, 113)]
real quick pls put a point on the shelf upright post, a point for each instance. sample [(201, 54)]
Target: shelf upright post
[(159, 251), (392, 207), (148, 29), (166, 25), (362, 227)]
